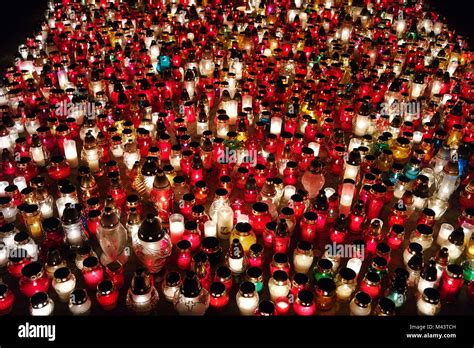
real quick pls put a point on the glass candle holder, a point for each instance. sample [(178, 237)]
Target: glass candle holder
[(423, 235), (259, 217), (371, 285), (92, 272), (107, 295), (41, 304), (323, 269), (451, 283), (244, 233), (325, 294), (64, 283), (361, 304), (219, 298), (247, 299), (115, 273), (184, 254), (303, 257), (176, 222), (79, 302), (142, 295), (346, 282), (429, 303), (34, 279), (308, 226), (7, 299), (279, 285), (32, 219), (171, 284)]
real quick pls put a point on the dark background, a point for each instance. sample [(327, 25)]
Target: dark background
[(19, 18)]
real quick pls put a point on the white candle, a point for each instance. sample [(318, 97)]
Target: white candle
[(351, 172), (3, 185), (468, 230), (92, 157), (288, 191), (344, 292), (353, 144), (176, 227), (315, 147), (236, 265), (247, 305), (355, 264), (64, 289), (225, 222), (37, 155), (417, 137), (302, 263), (329, 191), (444, 232), (275, 125), (210, 229), (347, 196), (70, 152), (20, 182), (61, 204)]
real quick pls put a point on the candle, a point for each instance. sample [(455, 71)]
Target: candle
[(275, 125), (176, 227), (41, 304), (225, 222), (79, 302), (210, 229), (247, 299), (303, 257), (355, 264), (64, 283), (444, 231), (347, 195), (20, 182), (3, 185), (70, 152), (92, 272), (107, 295)]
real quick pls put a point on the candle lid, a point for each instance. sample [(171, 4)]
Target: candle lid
[(280, 276), (398, 229), (191, 286), (151, 230), (430, 272), (200, 258), (90, 262), (243, 228), (266, 308), (62, 274), (362, 299), (415, 248), (379, 263), (132, 199), (198, 209), (287, 211), (305, 298), (325, 264), (109, 218), (425, 230), (280, 259), (71, 213), (254, 273), (33, 270), (173, 279), (141, 282), (51, 224), (304, 246), (223, 272), (325, 286), (386, 306), (105, 287), (183, 244), (348, 274), (259, 207), (431, 295), (78, 297), (53, 257), (210, 244), (300, 279), (5, 200), (453, 271), (39, 300), (3, 291), (188, 197), (217, 289), (114, 266), (372, 278), (256, 249), (457, 237)]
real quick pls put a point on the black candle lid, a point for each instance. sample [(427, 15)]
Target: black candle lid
[(173, 279), (305, 298), (209, 244), (266, 308), (223, 272), (39, 300), (415, 247), (362, 299), (62, 274), (454, 271), (71, 213), (386, 306), (280, 258), (183, 244), (105, 287), (310, 216), (398, 229), (304, 245), (200, 257), (21, 237), (280, 276), (431, 295), (90, 262), (424, 229), (109, 218), (256, 248), (132, 198), (254, 273), (78, 297), (3, 291), (372, 278), (32, 270), (260, 207), (217, 289), (53, 257), (191, 286), (325, 264), (300, 279), (347, 274), (51, 224), (198, 209), (457, 237), (243, 227), (151, 230)]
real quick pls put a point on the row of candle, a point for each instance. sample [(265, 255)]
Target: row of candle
[(208, 90)]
